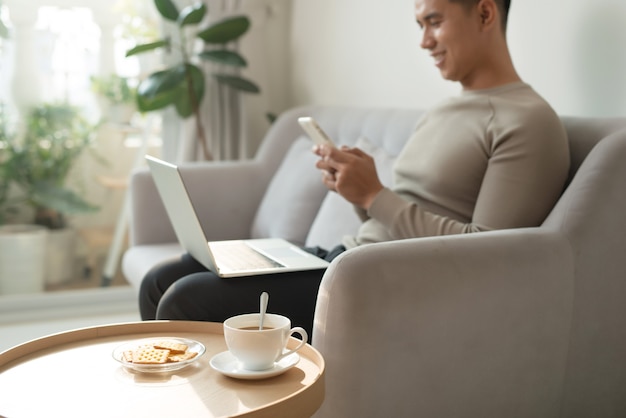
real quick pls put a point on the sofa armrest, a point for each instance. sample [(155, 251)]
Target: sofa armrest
[(225, 196), (464, 326)]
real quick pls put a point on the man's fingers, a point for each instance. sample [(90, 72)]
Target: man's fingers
[(324, 165), (329, 175), (344, 154), (357, 151), (329, 180)]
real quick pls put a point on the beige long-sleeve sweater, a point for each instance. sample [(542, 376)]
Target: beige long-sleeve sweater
[(489, 159)]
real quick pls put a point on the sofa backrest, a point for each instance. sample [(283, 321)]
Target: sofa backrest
[(297, 207), (585, 133)]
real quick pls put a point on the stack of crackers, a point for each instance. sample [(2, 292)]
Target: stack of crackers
[(159, 352)]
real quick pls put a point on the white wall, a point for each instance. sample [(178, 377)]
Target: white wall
[(366, 52)]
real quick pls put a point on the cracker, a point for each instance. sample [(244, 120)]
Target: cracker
[(173, 346), (175, 358), (127, 355), (150, 356)]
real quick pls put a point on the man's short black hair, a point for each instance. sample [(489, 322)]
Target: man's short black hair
[(503, 5)]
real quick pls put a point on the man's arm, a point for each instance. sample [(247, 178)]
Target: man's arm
[(523, 179)]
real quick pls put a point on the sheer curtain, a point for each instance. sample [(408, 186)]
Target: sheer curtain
[(233, 122)]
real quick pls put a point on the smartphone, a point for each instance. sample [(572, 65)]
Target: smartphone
[(314, 131)]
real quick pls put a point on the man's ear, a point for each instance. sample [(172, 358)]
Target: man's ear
[(488, 13)]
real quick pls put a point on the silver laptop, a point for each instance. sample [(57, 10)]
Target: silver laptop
[(230, 258)]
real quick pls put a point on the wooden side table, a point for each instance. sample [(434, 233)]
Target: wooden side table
[(73, 374)]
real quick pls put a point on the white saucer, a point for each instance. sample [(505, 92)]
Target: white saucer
[(228, 365)]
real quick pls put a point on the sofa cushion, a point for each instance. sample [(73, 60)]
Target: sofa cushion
[(139, 259), (337, 217), (293, 197)]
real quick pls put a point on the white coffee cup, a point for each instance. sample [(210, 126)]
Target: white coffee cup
[(260, 349)]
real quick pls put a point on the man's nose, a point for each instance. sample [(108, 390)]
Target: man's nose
[(428, 41)]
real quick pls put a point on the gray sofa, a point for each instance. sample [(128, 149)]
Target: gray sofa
[(515, 323)]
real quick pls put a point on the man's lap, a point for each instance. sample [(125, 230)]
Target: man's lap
[(206, 297), (190, 292)]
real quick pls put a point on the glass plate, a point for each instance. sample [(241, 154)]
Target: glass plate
[(192, 346)]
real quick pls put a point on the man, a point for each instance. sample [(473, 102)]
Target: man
[(495, 157)]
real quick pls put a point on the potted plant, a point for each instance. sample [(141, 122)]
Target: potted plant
[(22, 246), (54, 137), (182, 85), (116, 97)]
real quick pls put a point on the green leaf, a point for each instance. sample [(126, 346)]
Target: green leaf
[(171, 87), (190, 97), (147, 47), (160, 89), (167, 9), (161, 81), (157, 102), (225, 31), (182, 104), (237, 83), (192, 15), (58, 198), (225, 57)]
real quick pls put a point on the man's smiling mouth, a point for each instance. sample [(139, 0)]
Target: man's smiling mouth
[(438, 57)]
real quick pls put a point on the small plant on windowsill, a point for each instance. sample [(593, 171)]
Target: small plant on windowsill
[(117, 97), (183, 84)]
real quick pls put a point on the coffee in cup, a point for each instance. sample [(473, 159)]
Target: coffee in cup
[(258, 349)]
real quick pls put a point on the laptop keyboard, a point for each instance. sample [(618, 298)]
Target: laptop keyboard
[(239, 256)]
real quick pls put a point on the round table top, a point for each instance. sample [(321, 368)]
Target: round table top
[(74, 374)]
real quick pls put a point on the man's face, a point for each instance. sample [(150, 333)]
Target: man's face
[(451, 35)]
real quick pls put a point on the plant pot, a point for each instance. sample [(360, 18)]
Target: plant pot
[(120, 113), (22, 258), (60, 256)]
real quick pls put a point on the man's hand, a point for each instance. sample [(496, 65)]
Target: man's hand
[(350, 172)]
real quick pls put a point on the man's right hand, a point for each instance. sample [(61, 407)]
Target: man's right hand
[(350, 172)]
